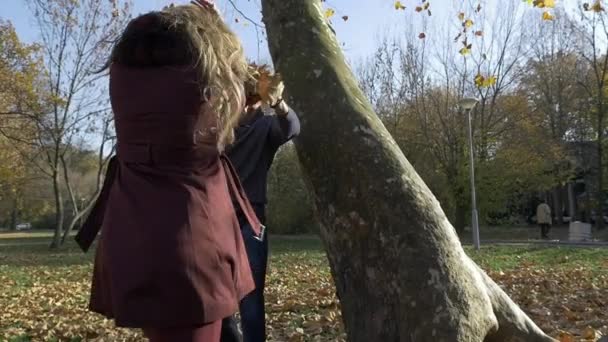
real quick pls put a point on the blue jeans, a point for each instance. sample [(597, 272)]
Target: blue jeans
[(253, 314)]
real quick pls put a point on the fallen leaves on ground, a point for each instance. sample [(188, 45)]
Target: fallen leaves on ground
[(50, 302)]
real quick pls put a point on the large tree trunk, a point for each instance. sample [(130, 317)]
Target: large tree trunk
[(400, 272)]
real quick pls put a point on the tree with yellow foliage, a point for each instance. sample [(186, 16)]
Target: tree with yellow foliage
[(21, 100)]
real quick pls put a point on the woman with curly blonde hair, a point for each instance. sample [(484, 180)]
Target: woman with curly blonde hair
[(171, 259)]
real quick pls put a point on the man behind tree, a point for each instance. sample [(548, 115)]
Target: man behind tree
[(258, 137)]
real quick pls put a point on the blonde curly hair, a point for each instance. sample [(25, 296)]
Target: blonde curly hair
[(192, 35)]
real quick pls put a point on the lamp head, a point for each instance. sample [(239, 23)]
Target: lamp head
[(468, 103)]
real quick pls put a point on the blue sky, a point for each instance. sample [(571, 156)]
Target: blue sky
[(367, 19)]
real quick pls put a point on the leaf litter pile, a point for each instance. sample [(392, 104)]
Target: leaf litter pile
[(44, 295)]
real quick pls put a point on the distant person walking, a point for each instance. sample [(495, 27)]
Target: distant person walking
[(543, 217)]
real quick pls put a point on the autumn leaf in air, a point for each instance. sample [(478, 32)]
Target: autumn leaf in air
[(543, 3), (468, 23), (484, 82), (479, 33), (422, 35), (479, 80), (418, 9), (426, 5), (465, 50), (490, 81), (548, 16), (329, 13), (597, 6), (461, 16), (345, 18), (399, 5)]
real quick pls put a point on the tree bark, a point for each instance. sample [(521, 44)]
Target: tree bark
[(76, 212), (59, 211), (572, 203), (79, 216), (400, 272)]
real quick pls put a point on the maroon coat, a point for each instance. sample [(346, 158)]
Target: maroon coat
[(171, 252)]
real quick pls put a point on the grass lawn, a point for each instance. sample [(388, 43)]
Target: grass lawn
[(43, 294)]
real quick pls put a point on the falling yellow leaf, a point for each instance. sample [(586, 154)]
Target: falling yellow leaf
[(479, 79), (399, 5), (548, 16), (484, 82), (550, 3), (597, 6), (465, 51), (461, 16), (490, 81), (468, 23), (329, 13), (426, 5)]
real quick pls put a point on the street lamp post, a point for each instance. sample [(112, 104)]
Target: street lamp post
[(468, 104)]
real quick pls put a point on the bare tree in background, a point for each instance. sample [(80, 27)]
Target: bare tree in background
[(76, 37), (83, 203)]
